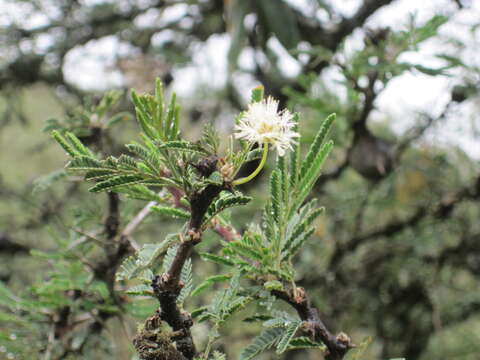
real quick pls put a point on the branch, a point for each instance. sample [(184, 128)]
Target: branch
[(7, 246), (418, 131), (316, 34), (338, 345), (441, 210), (167, 287), (135, 222), (113, 219)]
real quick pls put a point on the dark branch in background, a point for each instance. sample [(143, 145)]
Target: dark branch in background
[(28, 68), (316, 34), (440, 211), (7, 246), (417, 132), (113, 219)]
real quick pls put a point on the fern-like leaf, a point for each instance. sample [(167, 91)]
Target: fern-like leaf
[(171, 212), (275, 195), (205, 284), (316, 145), (128, 268), (186, 278), (217, 259), (297, 244), (140, 290), (301, 227), (303, 342), (85, 163), (65, 144), (180, 145), (115, 182), (77, 144), (308, 180), (267, 338), (290, 331), (230, 201)]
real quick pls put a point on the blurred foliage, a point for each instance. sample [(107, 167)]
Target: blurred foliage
[(395, 256)]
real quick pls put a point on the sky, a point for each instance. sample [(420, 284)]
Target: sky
[(408, 94)]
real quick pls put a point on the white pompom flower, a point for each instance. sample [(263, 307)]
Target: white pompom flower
[(263, 123)]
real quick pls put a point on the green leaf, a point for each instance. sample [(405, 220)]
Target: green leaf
[(429, 29), (77, 144), (273, 285), (316, 145), (158, 115), (287, 336), (127, 269), (149, 253), (230, 201), (139, 150), (171, 212), (255, 154), (7, 298), (313, 172), (168, 258), (172, 119), (284, 181), (294, 158), (48, 180), (267, 338), (243, 249), (217, 259), (145, 257), (275, 195), (303, 342), (219, 356), (143, 118), (301, 227), (186, 278), (297, 244), (140, 290), (64, 144), (181, 145), (257, 94), (85, 163), (209, 282), (99, 174), (115, 182), (122, 116), (127, 162), (141, 192)]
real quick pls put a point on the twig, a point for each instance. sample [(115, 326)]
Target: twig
[(167, 287), (338, 345), (441, 210)]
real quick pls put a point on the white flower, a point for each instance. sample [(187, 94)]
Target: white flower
[(263, 123)]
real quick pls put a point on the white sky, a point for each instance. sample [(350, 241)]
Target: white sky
[(90, 66)]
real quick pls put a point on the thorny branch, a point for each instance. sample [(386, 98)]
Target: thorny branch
[(167, 287), (338, 345)]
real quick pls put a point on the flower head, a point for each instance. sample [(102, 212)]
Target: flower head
[(263, 123)]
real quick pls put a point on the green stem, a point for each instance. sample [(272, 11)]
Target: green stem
[(257, 170)]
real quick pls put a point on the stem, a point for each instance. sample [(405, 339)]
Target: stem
[(257, 170)]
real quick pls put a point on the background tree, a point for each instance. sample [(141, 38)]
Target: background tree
[(396, 254)]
